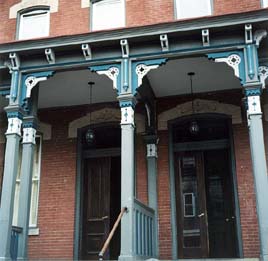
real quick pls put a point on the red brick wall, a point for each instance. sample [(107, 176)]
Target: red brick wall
[(235, 6), (72, 19), (141, 170), (144, 12), (164, 209), (247, 201), (57, 193)]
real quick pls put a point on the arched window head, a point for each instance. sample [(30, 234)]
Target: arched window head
[(193, 8), (107, 14), (33, 23)]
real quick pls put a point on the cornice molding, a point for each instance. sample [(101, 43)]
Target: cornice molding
[(139, 31)]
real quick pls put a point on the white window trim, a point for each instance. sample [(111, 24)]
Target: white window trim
[(33, 228), (38, 11), (108, 28), (24, 4), (176, 10), (264, 3)]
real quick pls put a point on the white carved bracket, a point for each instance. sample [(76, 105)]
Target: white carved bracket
[(254, 105), (112, 73), (142, 70), (29, 135), (127, 115), (14, 126), (151, 151), (233, 60), (263, 74), (31, 82)]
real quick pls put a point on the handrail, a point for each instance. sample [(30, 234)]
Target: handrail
[(108, 240)]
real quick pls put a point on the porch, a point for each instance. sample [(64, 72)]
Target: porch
[(154, 105)]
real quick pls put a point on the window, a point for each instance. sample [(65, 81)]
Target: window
[(193, 8), (34, 24), (35, 189), (264, 3), (107, 14)]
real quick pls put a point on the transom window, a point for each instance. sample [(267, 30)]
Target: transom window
[(193, 8), (34, 24), (107, 14)]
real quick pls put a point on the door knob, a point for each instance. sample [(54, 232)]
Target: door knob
[(227, 219), (201, 215)]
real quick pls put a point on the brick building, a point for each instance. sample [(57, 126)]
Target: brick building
[(156, 106)]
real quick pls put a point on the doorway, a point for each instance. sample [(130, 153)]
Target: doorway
[(101, 193), (205, 205)]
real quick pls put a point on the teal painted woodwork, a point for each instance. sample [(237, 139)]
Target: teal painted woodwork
[(149, 63), (105, 68), (250, 61), (15, 114), (24, 103), (14, 85), (257, 91), (125, 67), (242, 74)]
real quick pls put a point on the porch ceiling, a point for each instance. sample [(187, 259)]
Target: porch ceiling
[(71, 88), (173, 79)]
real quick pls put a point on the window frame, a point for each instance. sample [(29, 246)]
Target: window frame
[(192, 17), (27, 12), (92, 2), (264, 3), (33, 229)]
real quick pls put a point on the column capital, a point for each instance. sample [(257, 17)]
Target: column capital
[(14, 115), (127, 101), (150, 139), (29, 130)]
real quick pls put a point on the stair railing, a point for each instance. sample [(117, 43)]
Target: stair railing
[(108, 240)]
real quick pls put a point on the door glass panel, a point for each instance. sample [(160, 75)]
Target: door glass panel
[(191, 221)]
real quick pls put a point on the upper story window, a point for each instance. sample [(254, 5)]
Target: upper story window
[(264, 3), (107, 14), (193, 8), (34, 24)]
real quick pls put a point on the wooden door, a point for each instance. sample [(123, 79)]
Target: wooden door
[(220, 204), (191, 206), (96, 206)]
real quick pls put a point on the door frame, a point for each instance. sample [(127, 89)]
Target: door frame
[(81, 155), (204, 146)]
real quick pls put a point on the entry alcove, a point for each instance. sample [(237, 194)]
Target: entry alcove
[(100, 189), (206, 210)]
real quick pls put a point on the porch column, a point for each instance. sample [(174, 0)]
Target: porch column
[(151, 143), (127, 180), (259, 165), (13, 135), (28, 145)]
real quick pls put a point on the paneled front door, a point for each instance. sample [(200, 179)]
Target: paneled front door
[(205, 212), (96, 207), (191, 206)]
